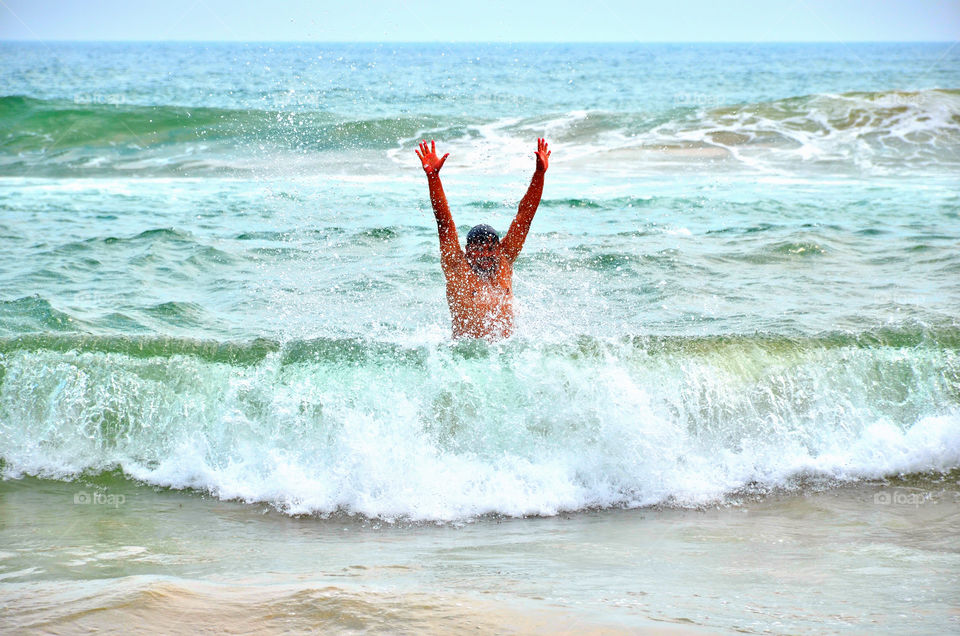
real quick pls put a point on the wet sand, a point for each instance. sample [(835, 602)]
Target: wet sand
[(882, 557)]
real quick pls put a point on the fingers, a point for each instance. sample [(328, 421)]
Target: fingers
[(425, 149), (444, 158)]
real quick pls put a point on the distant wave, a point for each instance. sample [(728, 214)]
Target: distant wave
[(60, 138), (884, 131), (31, 124), (460, 430), (878, 129)]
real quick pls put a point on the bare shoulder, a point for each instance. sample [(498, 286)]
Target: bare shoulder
[(455, 266)]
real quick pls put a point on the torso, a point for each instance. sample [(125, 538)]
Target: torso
[(481, 307)]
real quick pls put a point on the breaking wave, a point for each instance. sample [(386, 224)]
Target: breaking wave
[(456, 431), (858, 131)]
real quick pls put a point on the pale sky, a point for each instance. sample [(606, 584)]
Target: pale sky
[(480, 21)]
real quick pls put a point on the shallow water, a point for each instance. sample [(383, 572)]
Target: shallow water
[(879, 557)]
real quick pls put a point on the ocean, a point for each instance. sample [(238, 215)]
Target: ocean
[(229, 393)]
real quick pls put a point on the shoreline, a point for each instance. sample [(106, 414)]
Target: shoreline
[(849, 558)]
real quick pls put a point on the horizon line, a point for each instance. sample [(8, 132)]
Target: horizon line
[(189, 41)]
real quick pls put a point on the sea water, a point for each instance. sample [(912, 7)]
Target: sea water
[(220, 275)]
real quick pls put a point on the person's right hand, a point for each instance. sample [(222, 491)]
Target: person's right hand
[(542, 154), (428, 157)]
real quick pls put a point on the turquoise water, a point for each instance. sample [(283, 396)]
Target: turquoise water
[(220, 272)]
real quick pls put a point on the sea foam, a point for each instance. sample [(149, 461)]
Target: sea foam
[(436, 432)]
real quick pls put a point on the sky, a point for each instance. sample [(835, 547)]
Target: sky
[(484, 21)]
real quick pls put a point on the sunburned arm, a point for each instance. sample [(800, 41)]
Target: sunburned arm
[(450, 252), (513, 242)]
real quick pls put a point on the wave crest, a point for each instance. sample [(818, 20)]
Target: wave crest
[(878, 131), (456, 431)]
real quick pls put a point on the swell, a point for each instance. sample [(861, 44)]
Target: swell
[(31, 125), (858, 130), (862, 131), (459, 430), (234, 353), (355, 350)]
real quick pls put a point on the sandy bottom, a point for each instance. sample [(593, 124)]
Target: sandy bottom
[(156, 605), (882, 557)]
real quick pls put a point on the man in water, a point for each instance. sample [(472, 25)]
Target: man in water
[(480, 281)]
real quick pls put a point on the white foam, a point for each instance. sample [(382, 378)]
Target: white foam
[(527, 432)]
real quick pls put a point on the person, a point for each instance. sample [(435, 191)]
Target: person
[(480, 280)]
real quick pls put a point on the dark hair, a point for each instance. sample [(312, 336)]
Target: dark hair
[(482, 234)]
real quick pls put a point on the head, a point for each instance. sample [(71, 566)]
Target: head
[(483, 250)]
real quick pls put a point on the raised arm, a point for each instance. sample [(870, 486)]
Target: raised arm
[(450, 252), (513, 242)]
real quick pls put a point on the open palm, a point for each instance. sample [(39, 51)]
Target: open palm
[(428, 157), (543, 155)]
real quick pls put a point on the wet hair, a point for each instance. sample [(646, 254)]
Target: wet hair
[(482, 233)]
